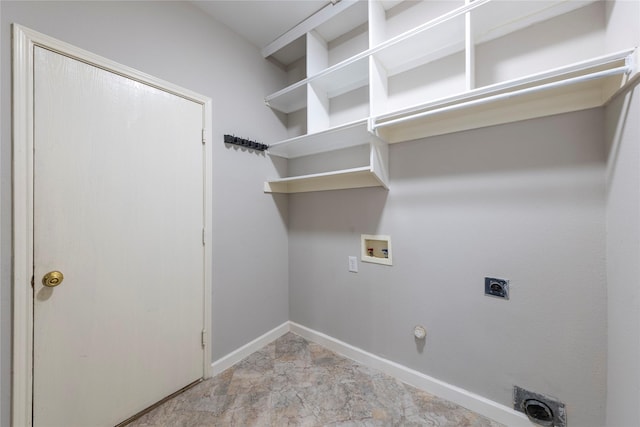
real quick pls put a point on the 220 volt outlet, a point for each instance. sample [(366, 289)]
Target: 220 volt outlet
[(498, 288)]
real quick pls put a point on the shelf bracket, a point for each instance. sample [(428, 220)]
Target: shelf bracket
[(630, 62), (371, 127)]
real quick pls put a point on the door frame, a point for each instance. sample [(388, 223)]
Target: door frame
[(24, 42)]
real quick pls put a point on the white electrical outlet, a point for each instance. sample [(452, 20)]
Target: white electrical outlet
[(353, 264)]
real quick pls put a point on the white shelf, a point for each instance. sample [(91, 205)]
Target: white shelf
[(575, 87), (423, 48), (445, 35), (422, 79), (337, 80), (374, 174), (337, 180), (344, 77), (345, 22), (435, 39), (347, 135), (289, 99), (499, 18)]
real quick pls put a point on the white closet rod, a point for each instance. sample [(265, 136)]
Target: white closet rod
[(502, 96)]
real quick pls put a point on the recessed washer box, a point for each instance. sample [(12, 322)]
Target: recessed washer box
[(376, 249)]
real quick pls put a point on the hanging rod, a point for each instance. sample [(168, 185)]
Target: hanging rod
[(625, 69)]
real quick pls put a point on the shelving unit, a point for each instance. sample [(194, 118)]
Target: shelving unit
[(354, 134), (387, 71), (373, 173)]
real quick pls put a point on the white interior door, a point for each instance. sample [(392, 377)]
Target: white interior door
[(118, 209)]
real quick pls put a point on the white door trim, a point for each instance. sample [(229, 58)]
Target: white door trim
[(24, 41)]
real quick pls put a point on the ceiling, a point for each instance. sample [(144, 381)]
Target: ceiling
[(260, 21)]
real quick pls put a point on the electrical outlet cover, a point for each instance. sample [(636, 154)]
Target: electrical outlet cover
[(353, 264)]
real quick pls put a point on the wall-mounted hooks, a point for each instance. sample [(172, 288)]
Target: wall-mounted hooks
[(230, 139)]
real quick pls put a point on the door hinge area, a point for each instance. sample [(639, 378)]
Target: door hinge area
[(203, 237), (204, 136), (33, 281), (203, 338)]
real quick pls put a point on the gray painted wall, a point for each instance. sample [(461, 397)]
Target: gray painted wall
[(177, 42), (623, 266), (623, 231), (523, 201)]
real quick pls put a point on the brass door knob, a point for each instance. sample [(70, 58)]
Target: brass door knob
[(52, 279)]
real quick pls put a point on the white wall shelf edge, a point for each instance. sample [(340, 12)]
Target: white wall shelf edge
[(611, 60), (579, 86), (364, 176), (375, 174), (345, 74), (347, 135)]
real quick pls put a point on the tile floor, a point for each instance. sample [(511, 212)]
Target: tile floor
[(294, 382)]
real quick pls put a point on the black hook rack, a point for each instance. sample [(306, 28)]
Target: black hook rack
[(247, 143)]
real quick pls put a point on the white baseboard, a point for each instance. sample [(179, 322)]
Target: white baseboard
[(236, 356), (481, 405)]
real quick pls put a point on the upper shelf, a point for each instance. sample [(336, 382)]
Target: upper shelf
[(575, 87), (445, 34), (494, 19), (428, 42), (434, 40), (341, 78)]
